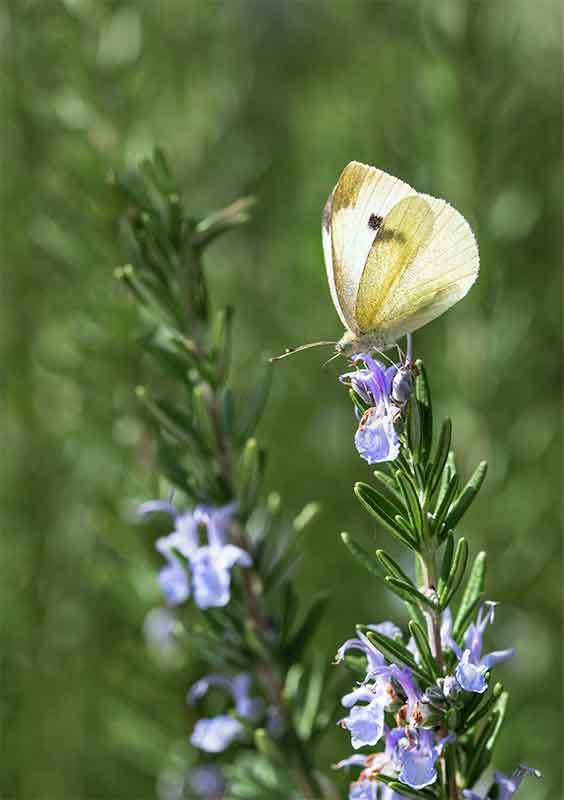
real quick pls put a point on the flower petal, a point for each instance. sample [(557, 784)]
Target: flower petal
[(215, 734), (472, 677), (365, 724), (174, 584), (376, 439)]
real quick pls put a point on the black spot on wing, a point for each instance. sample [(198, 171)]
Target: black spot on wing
[(374, 221)]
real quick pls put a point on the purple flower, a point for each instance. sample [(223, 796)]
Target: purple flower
[(215, 734), (173, 581), (365, 723), (376, 439), (472, 666), (362, 643), (411, 712), (418, 755), (160, 626), (207, 780), (364, 790), (506, 786), (237, 686), (210, 564), (385, 763)]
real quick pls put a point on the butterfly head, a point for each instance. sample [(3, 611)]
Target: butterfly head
[(352, 344)]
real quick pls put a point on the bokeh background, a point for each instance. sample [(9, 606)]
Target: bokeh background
[(270, 97)]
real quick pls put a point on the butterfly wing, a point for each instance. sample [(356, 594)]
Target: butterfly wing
[(423, 259), (353, 213)]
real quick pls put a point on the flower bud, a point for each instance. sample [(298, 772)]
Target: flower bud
[(402, 385)]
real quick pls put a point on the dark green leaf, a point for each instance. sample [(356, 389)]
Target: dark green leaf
[(203, 415), (389, 484), (227, 404), (408, 591), (486, 741), (424, 406), (156, 303), (412, 504), (420, 636), (303, 636), (221, 221), (313, 695), (440, 459), (442, 507), (253, 406), (221, 341), (448, 471), (415, 612), (447, 562), (249, 476), (466, 497), (456, 573), (392, 567), (382, 509), (483, 708), (363, 556), (472, 595), (396, 652)]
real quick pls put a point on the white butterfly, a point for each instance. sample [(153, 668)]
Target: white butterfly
[(395, 259)]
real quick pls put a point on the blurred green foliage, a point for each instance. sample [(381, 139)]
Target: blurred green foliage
[(268, 97)]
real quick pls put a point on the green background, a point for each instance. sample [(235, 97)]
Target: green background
[(272, 98)]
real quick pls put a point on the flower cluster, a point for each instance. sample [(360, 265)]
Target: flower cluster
[(209, 574), (384, 391), (421, 731)]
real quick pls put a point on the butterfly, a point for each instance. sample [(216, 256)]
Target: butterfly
[(395, 259)]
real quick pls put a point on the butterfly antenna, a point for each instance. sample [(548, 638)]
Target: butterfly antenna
[(291, 350)]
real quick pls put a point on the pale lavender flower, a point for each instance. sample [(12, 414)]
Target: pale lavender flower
[(238, 687), (418, 755), (375, 659), (215, 734), (210, 564), (412, 710), (207, 781), (385, 763), (506, 787), (472, 666), (363, 790), (365, 723), (160, 626), (376, 438)]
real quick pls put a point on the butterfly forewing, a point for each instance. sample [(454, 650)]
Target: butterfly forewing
[(328, 257), (402, 235), (361, 199)]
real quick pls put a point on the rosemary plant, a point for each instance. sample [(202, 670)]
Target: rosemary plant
[(224, 567), (430, 695), (424, 696)]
